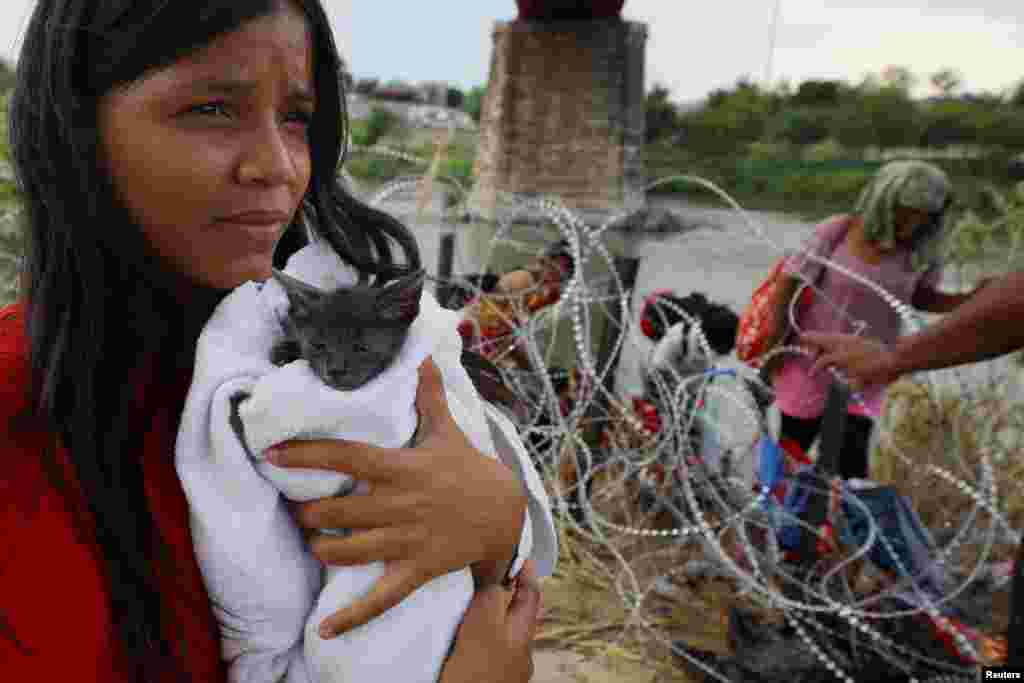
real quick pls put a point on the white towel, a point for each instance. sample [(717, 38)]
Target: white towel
[(268, 592)]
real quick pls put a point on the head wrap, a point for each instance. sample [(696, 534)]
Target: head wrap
[(910, 184)]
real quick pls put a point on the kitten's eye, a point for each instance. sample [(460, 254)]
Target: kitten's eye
[(360, 347)]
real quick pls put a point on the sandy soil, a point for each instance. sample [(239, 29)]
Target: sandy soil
[(559, 666)]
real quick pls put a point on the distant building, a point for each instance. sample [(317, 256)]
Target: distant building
[(434, 92), (398, 91)]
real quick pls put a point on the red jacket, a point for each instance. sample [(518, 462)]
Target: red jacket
[(55, 617)]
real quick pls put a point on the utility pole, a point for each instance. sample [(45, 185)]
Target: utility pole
[(768, 74)]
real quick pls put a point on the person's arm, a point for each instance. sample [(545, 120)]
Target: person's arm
[(515, 281), (986, 326), (931, 300)]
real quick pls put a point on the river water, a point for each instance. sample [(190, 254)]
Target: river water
[(722, 257)]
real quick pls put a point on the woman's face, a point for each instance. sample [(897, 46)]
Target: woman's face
[(211, 154), (908, 221)]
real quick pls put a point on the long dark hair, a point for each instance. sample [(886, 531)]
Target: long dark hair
[(100, 305)]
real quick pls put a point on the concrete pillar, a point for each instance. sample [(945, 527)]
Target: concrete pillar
[(563, 117), (564, 114)]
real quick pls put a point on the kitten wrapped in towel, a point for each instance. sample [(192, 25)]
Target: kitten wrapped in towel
[(347, 338), (310, 354)]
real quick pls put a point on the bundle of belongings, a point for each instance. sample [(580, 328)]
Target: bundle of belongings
[(867, 530)]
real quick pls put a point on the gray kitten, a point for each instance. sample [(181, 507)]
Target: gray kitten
[(350, 335)]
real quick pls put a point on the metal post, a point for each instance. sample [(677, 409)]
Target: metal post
[(446, 254)]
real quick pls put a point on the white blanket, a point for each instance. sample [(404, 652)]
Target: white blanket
[(269, 593)]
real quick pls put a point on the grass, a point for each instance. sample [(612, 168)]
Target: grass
[(946, 431)]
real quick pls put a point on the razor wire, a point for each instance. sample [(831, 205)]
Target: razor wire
[(706, 505)]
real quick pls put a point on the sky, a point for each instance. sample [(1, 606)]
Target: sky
[(692, 48)]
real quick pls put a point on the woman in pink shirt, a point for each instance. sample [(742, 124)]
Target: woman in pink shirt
[(884, 240)]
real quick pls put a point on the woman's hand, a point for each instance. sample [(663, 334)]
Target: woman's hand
[(494, 642), (865, 362), (432, 509)]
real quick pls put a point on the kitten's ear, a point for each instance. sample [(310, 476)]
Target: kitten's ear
[(300, 295), (400, 299)]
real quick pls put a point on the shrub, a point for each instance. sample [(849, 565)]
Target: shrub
[(838, 187), (826, 150), (473, 102), (770, 150), (360, 133), (950, 123), (375, 169), (459, 169), (801, 126), (974, 239), (380, 122)]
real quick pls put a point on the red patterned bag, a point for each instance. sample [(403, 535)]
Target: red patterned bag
[(757, 324)]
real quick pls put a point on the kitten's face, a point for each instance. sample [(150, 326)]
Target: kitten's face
[(351, 335), (346, 357)]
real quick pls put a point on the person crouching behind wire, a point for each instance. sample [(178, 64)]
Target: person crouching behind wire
[(669, 321)]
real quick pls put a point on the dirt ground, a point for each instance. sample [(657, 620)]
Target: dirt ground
[(589, 635)]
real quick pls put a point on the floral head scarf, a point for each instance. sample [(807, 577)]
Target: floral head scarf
[(911, 184)]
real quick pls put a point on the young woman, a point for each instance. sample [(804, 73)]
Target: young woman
[(677, 356), (884, 240), (168, 152)]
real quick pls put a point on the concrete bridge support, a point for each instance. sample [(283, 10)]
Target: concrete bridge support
[(564, 114)]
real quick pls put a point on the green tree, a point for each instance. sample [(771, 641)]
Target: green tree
[(950, 122), (816, 93), (1002, 128), (732, 118), (660, 114), (454, 98), (381, 122), (473, 102), (1017, 96), (6, 77), (851, 128), (878, 115), (801, 126), (946, 81)]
